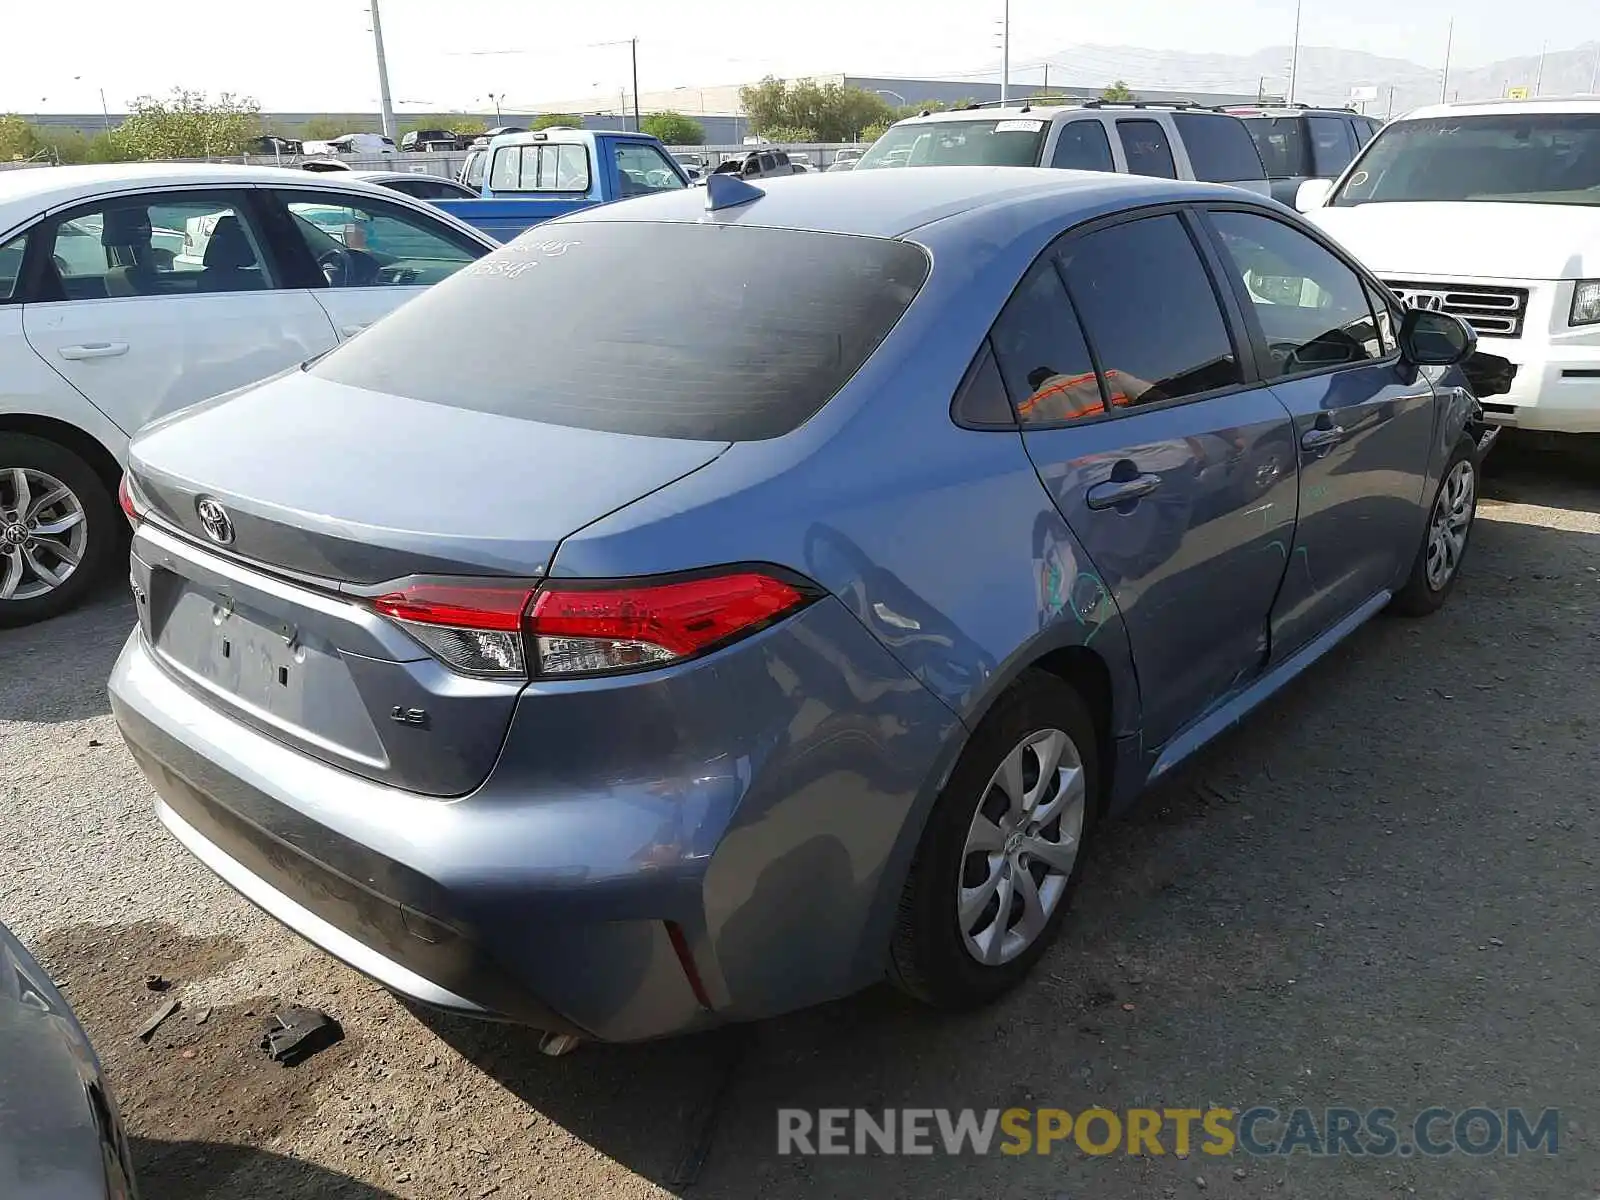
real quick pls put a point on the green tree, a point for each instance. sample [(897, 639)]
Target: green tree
[(675, 129), (790, 134), (830, 111), (18, 139), (874, 131), (1118, 93), (187, 125), (550, 120)]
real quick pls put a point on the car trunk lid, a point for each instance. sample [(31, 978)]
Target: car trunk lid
[(317, 494)]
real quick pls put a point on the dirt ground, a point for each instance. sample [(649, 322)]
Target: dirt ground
[(1381, 891)]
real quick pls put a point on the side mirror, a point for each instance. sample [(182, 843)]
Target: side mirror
[(1313, 193), (1435, 339)]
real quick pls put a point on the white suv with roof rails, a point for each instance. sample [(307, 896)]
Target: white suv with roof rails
[(1490, 211), (1168, 141)]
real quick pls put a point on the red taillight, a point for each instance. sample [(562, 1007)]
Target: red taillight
[(474, 628), (582, 628), (130, 507)]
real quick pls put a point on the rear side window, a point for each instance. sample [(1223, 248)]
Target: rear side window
[(1042, 355), (1220, 148), (1364, 130), (1082, 146), (589, 327), (1150, 312), (1144, 143), (1282, 145), (1331, 145)]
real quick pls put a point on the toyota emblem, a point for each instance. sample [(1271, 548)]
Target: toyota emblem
[(215, 520)]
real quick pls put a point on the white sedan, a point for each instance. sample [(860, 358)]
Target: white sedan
[(129, 291)]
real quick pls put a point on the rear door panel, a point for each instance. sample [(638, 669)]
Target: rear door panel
[(1181, 488)]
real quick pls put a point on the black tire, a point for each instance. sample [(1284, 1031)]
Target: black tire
[(102, 520), (1419, 597), (929, 959)]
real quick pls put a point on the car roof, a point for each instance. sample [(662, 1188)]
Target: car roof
[(892, 202), (27, 192), (1480, 108)]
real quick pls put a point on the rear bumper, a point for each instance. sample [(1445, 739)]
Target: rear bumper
[(650, 856)]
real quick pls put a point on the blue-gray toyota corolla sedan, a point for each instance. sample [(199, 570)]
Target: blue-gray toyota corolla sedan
[(695, 651)]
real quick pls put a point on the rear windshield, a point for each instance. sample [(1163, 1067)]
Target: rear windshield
[(700, 331), (994, 142), (1529, 158), (1220, 148)]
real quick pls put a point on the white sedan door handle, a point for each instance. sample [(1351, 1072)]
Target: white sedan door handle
[(352, 330), (94, 350)]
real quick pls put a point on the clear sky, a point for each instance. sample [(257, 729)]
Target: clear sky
[(295, 55)]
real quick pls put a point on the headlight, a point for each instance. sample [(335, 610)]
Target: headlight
[(1585, 303)]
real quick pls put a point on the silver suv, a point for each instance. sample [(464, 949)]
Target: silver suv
[(1169, 141)]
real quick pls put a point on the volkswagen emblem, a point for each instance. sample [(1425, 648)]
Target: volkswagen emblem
[(215, 520)]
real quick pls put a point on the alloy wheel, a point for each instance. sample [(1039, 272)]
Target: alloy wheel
[(43, 533), (1021, 847), (1450, 524)]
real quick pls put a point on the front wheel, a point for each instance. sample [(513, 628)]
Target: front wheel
[(1444, 542), (1000, 858)]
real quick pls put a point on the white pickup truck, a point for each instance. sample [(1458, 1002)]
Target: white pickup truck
[(1490, 211)]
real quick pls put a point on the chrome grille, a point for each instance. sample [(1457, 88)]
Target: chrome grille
[(1492, 311)]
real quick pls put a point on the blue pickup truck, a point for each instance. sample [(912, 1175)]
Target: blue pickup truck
[(526, 178)]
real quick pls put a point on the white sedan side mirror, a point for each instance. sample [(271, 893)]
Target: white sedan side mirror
[(1313, 193)]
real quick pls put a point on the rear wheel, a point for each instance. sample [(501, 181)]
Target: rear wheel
[(1001, 856), (58, 529), (1444, 542)]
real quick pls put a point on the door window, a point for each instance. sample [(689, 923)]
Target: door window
[(472, 175), (1145, 145), (1331, 145), (1312, 308), (161, 244), (1150, 313), (643, 169), (1083, 146), (1042, 355), (358, 242)]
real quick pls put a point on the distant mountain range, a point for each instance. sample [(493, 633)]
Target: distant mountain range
[(1326, 75)]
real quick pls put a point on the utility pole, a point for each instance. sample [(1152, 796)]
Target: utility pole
[(1389, 116), (1449, 43), (1005, 51), (634, 45), (383, 73), (1594, 75), (1294, 54), (1538, 79), (106, 112), (1047, 79)]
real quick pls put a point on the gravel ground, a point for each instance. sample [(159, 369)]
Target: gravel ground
[(1381, 891)]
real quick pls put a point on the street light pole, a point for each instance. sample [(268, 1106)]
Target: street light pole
[(1449, 43), (633, 43), (1538, 79), (1294, 53), (1005, 51), (383, 72)]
